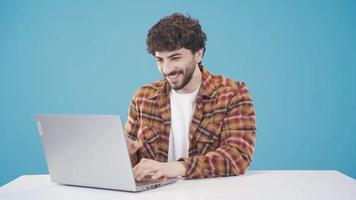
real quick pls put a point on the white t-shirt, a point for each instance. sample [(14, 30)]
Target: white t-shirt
[(182, 106)]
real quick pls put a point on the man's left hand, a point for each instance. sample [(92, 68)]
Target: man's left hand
[(152, 169)]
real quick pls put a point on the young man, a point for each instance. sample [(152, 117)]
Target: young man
[(192, 123)]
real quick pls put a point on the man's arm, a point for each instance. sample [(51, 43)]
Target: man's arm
[(237, 142), (146, 168), (131, 129)]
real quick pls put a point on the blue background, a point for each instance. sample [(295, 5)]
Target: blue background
[(297, 57)]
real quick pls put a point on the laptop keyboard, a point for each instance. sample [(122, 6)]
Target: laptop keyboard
[(141, 183)]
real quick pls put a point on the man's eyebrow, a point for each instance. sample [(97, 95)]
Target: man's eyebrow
[(157, 57), (175, 54)]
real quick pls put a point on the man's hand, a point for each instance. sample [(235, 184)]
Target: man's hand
[(152, 169), (132, 145)]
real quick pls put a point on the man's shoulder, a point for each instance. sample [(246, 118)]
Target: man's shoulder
[(224, 85), (150, 90)]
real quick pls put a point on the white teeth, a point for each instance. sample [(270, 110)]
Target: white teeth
[(174, 76)]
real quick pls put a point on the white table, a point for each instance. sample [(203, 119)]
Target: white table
[(254, 185)]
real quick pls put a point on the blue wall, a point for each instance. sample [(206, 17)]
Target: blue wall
[(298, 58)]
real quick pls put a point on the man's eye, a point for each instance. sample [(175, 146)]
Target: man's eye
[(159, 60), (175, 58)]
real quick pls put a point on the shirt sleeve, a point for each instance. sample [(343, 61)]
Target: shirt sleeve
[(132, 126), (237, 142)]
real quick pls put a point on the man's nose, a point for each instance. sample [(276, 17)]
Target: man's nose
[(166, 67)]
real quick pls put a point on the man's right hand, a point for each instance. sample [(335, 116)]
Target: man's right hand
[(132, 145)]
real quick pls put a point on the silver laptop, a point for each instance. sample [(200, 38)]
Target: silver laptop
[(90, 151)]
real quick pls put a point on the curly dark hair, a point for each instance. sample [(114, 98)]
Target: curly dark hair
[(174, 32)]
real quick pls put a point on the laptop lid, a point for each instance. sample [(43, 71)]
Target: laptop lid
[(86, 150)]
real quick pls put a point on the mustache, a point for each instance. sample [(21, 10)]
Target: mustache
[(173, 73)]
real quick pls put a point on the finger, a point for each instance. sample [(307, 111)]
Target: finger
[(143, 175), (138, 174), (138, 177), (141, 164), (157, 175), (140, 171), (145, 169), (136, 167)]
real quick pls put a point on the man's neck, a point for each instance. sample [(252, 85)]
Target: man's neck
[(194, 83)]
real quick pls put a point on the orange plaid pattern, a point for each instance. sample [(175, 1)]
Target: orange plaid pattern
[(222, 132)]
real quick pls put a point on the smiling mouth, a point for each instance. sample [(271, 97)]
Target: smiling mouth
[(173, 76)]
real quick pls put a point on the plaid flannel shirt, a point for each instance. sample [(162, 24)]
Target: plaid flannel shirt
[(222, 131)]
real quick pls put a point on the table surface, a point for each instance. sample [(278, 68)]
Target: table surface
[(253, 185)]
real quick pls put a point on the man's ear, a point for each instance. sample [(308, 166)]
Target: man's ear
[(199, 55)]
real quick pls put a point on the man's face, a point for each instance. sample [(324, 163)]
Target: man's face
[(177, 66)]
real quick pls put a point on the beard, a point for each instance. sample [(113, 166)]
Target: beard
[(187, 73)]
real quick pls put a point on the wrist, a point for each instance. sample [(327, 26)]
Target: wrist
[(180, 168)]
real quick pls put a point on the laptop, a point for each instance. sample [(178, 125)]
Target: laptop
[(89, 151)]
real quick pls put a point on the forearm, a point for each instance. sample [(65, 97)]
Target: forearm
[(134, 158), (179, 168), (221, 162), (131, 129)]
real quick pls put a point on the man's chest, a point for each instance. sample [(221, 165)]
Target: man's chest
[(204, 131)]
